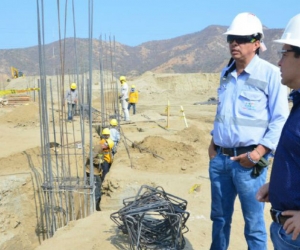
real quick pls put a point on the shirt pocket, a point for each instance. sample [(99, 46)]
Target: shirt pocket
[(250, 103)]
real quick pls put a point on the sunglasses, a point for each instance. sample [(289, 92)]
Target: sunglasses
[(283, 51), (240, 39)]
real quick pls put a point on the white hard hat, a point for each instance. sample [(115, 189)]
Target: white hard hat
[(245, 24), (291, 34)]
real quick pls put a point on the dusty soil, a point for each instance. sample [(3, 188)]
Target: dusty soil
[(173, 157)]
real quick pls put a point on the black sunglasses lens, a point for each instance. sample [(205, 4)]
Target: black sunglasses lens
[(239, 39)]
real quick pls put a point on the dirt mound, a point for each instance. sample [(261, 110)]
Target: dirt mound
[(158, 88), (163, 155), (179, 83), (193, 134), (22, 115)]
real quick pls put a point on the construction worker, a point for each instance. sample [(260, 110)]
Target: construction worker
[(71, 98), (107, 145), (124, 97), (114, 134), (97, 161), (133, 98)]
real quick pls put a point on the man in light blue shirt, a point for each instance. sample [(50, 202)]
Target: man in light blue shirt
[(252, 109), (114, 134)]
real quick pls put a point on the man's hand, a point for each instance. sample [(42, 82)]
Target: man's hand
[(262, 194), (211, 150), (243, 160), (292, 225), (104, 146), (255, 155)]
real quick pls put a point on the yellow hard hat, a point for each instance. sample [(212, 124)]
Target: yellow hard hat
[(122, 79), (110, 143), (133, 86), (113, 122), (73, 85), (106, 131)]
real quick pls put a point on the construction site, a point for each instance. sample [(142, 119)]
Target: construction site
[(46, 199)]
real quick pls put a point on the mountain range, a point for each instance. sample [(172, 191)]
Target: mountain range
[(205, 51)]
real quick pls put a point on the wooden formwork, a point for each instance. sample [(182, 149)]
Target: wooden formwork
[(18, 100)]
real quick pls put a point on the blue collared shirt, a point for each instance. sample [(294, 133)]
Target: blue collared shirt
[(115, 135), (252, 108)]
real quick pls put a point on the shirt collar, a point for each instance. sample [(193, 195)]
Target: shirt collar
[(251, 67), (294, 92), (295, 95)]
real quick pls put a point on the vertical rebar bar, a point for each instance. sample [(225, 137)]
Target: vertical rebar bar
[(92, 202)]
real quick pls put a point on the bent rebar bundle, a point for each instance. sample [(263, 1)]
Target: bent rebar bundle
[(153, 219)]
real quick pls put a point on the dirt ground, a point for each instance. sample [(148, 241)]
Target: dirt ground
[(173, 157)]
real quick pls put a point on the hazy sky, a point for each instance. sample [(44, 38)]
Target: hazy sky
[(131, 22)]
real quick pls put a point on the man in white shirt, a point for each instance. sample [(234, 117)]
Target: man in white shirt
[(124, 97)]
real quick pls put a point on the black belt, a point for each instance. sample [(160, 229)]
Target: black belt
[(278, 217), (236, 151)]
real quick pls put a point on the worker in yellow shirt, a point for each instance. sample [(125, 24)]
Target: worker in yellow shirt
[(107, 145), (133, 98)]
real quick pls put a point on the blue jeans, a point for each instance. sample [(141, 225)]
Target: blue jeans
[(281, 240), (105, 167), (71, 111), (133, 107), (229, 179)]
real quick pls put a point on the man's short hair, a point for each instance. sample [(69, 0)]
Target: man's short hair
[(296, 50)]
